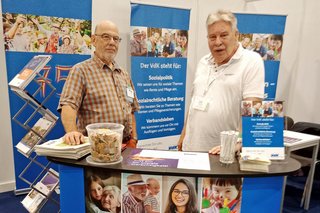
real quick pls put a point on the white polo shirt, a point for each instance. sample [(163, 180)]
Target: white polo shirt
[(217, 94)]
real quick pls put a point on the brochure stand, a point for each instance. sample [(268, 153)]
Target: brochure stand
[(38, 121)]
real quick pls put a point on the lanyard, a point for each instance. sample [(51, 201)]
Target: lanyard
[(213, 75)]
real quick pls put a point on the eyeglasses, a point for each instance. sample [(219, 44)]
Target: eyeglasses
[(106, 37), (184, 193)]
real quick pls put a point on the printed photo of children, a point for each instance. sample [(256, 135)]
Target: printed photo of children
[(152, 202), (221, 195)]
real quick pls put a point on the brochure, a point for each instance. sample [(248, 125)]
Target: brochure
[(48, 183), (29, 71), (35, 135), (262, 128), (169, 159), (136, 159), (33, 201)]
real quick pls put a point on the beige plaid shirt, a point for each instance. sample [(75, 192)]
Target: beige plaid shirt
[(99, 94)]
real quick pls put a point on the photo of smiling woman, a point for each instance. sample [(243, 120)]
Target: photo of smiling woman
[(182, 197)]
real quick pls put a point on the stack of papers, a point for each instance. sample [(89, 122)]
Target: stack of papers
[(58, 148), (254, 163)]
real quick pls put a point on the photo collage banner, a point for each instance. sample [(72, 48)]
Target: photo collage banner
[(159, 47), (264, 34), (132, 192), (58, 28), (107, 191)]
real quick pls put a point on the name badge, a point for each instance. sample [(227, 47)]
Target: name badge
[(130, 92), (200, 104)]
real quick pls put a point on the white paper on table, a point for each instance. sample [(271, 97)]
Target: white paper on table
[(194, 160), (160, 154), (187, 160)]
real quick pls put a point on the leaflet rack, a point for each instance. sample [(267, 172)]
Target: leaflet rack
[(38, 121)]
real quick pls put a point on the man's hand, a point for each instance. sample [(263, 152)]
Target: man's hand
[(132, 143), (74, 138), (215, 150), (180, 144)]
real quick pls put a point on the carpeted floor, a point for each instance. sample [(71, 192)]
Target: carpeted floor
[(293, 195), (10, 203)]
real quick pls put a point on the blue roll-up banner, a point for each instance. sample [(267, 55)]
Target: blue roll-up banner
[(158, 46), (59, 28), (264, 35), (263, 130)]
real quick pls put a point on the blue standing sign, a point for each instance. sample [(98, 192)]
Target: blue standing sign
[(159, 47)]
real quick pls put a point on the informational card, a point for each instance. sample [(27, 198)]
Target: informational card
[(29, 71), (169, 159), (290, 139), (41, 127), (33, 201), (49, 181), (262, 128), (136, 159)]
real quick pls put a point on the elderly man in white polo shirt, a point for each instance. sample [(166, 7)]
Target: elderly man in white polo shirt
[(224, 77)]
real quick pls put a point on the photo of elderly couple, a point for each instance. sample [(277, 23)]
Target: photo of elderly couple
[(142, 193)]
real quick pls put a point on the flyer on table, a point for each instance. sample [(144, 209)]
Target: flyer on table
[(262, 128)]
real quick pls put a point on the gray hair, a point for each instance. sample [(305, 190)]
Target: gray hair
[(113, 188), (222, 15)]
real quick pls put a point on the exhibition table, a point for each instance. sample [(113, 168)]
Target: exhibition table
[(299, 141), (261, 191)]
